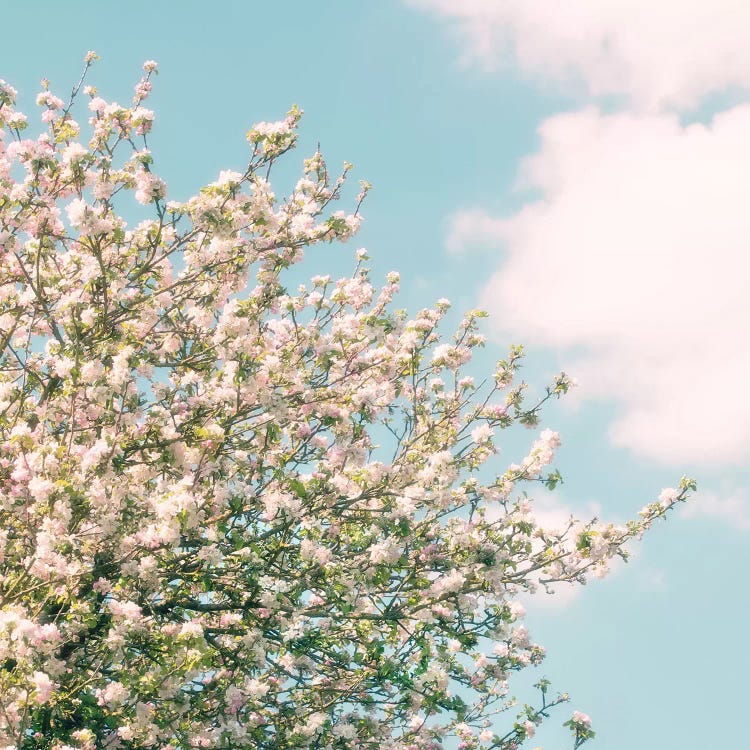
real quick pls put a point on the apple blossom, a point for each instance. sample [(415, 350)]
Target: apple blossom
[(235, 515)]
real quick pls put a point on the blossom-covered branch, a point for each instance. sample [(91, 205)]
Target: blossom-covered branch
[(235, 514)]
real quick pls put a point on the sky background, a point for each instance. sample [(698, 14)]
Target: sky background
[(582, 171)]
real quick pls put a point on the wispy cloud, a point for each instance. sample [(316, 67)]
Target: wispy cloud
[(653, 580), (664, 53), (732, 507)]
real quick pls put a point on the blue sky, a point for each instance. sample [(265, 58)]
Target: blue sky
[(588, 186)]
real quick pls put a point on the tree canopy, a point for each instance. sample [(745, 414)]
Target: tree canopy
[(235, 514)]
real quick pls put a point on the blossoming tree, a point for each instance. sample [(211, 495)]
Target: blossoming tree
[(235, 515)]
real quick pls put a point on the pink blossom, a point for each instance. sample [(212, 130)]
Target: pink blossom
[(43, 687)]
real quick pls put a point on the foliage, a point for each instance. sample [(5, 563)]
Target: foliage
[(235, 515)]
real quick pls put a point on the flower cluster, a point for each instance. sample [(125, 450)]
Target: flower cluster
[(237, 514)]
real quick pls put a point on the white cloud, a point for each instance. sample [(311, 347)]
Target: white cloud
[(732, 507), (474, 226), (656, 52), (552, 512), (561, 596), (636, 255)]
